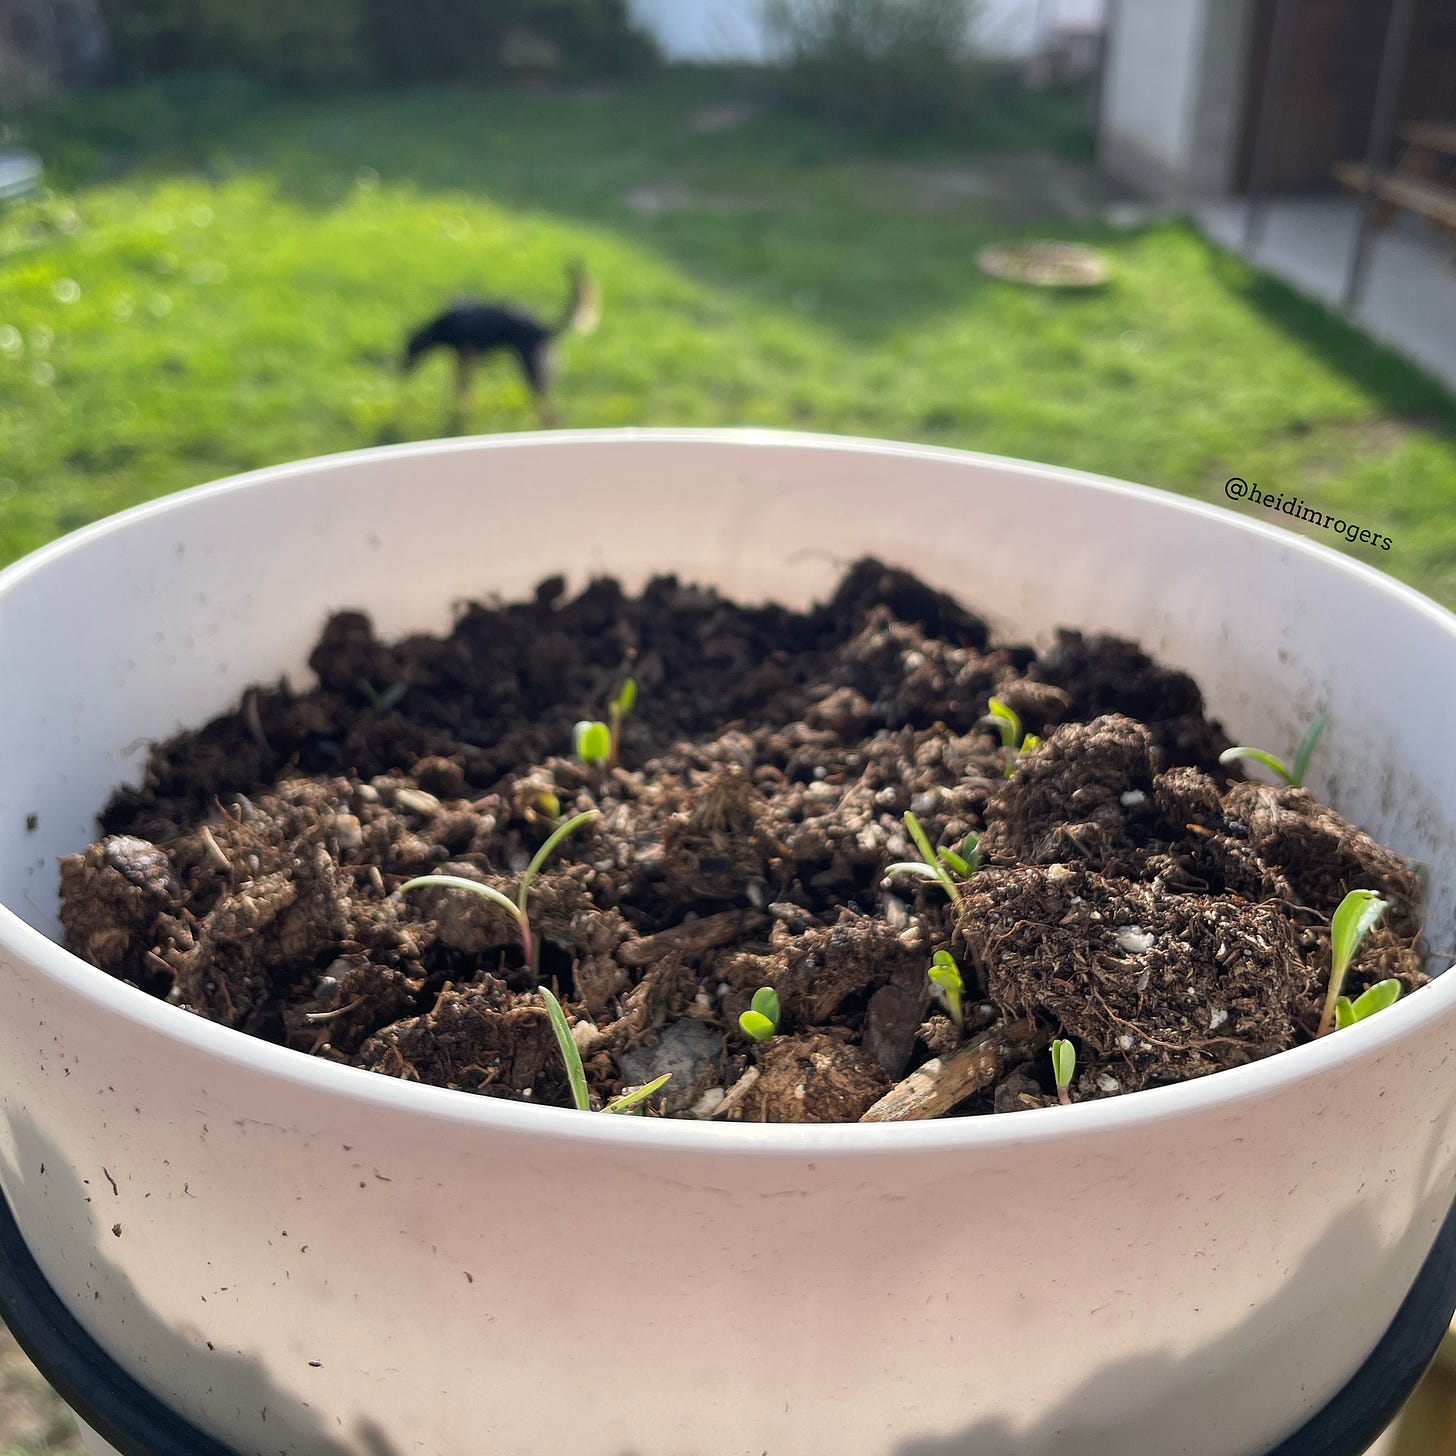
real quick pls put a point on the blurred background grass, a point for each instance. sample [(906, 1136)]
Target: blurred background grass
[(220, 278)]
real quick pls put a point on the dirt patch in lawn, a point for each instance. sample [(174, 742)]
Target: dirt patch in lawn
[(1130, 896)]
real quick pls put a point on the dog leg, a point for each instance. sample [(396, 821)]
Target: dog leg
[(464, 372)]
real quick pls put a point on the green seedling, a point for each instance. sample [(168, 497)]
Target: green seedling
[(389, 698), (945, 976), (576, 1073), (517, 908), (632, 1101), (1064, 1068), (591, 742), (596, 742), (939, 864), (570, 1054), (761, 1021), (1008, 724), (1367, 1003), (1292, 773), (1351, 923)]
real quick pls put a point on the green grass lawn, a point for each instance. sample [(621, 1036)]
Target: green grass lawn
[(222, 282)]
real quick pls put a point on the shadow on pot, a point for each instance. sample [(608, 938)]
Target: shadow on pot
[(1133, 1404), (1139, 1404), (157, 1346)]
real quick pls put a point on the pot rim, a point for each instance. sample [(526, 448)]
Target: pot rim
[(1128, 1112)]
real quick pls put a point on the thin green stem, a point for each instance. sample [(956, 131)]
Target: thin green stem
[(614, 726), (561, 832)]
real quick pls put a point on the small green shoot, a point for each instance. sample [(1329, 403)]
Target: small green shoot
[(950, 985), (595, 742), (576, 1073), (389, 698), (1367, 1003), (1356, 917), (1008, 724), (762, 1020), (618, 709), (1007, 720), (1064, 1068), (517, 907), (591, 742), (632, 1101), (937, 864), (1292, 773), (566, 1043)]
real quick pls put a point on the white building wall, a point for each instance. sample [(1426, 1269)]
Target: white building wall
[(1173, 94), (732, 30)]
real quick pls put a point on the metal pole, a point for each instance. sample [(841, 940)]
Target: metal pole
[(1377, 150), (1267, 119)]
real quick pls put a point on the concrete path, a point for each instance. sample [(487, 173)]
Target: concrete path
[(1410, 297)]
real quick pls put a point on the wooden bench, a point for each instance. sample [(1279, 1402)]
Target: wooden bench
[(1435, 201), (1422, 180)]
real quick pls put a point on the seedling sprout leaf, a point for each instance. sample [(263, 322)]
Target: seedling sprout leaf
[(458, 882), (591, 742), (766, 1004), (922, 840), (1306, 747), (1008, 722), (1351, 923), (913, 867), (1064, 1067), (560, 833), (1376, 998), (632, 1101), (756, 1026), (575, 1072), (1277, 765), (946, 976)]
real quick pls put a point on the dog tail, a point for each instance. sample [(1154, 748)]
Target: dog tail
[(583, 309)]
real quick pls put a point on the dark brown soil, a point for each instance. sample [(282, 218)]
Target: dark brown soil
[(1168, 920)]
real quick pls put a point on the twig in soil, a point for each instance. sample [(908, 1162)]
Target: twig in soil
[(736, 1093), (1292, 773), (761, 1021), (595, 742), (316, 1016), (576, 1073), (936, 864), (950, 986), (1064, 1068), (517, 907), (940, 1084), (1352, 922), (214, 851), (691, 938)]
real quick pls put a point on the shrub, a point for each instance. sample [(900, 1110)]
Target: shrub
[(339, 40), (429, 39), (893, 64), (271, 40)]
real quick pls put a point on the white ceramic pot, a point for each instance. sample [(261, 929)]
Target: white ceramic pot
[(306, 1258)]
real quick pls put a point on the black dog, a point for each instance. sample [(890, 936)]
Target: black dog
[(473, 330)]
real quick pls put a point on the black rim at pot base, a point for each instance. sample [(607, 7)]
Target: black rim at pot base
[(128, 1416)]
